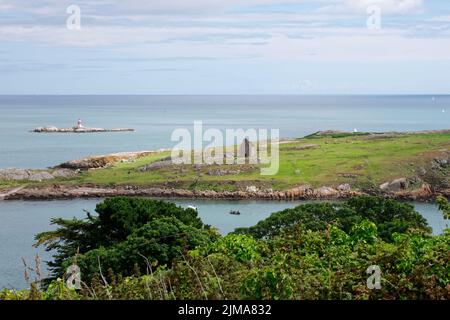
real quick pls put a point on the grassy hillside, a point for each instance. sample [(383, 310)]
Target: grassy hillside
[(361, 160)]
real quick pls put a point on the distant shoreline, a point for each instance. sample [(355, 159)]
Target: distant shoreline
[(70, 192)]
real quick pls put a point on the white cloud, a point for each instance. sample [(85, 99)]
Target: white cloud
[(5, 6), (107, 7), (387, 6), (310, 36), (441, 19), (170, 7), (277, 43)]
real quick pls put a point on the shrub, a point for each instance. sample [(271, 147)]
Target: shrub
[(388, 215), (126, 232)]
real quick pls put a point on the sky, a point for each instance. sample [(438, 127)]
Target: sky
[(225, 47)]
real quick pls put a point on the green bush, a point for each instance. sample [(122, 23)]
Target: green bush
[(127, 233), (388, 215), (314, 251), (241, 247)]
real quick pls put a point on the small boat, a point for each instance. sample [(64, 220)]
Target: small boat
[(192, 207), (235, 212)]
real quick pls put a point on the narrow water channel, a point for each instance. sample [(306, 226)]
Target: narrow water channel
[(21, 220)]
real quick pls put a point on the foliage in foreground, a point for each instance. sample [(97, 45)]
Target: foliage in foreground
[(388, 215), (127, 233), (314, 256)]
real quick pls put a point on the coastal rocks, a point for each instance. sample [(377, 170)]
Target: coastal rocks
[(424, 192), (46, 129), (325, 192), (34, 175), (95, 162), (223, 172), (64, 173), (52, 129), (7, 193), (14, 174), (162, 163), (302, 192), (299, 192), (251, 189), (395, 185), (344, 187), (349, 175), (440, 163), (307, 192), (23, 174), (40, 176)]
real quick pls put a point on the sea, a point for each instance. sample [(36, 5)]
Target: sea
[(154, 119)]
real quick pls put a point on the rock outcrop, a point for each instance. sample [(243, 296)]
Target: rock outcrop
[(34, 175), (223, 172), (395, 185), (325, 193), (52, 129), (440, 163), (424, 192), (95, 162), (344, 187), (162, 163)]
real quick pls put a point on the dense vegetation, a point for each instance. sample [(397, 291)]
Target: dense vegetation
[(150, 249), (388, 215), (125, 233)]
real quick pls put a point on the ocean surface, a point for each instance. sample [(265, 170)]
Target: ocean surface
[(155, 118), (21, 220)]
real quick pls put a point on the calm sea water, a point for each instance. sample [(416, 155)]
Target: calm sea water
[(21, 220), (155, 117)]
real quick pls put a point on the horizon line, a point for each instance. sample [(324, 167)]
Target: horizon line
[(220, 94)]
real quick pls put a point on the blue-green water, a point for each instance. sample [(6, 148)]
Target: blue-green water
[(21, 220), (155, 117)]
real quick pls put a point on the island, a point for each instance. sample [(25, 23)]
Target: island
[(78, 128), (323, 165), (51, 129)]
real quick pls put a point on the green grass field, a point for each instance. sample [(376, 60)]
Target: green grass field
[(363, 161)]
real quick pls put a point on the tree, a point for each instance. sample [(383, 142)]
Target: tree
[(126, 232), (444, 206), (389, 216)]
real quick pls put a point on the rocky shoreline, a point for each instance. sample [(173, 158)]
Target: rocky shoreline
[(304, 192)]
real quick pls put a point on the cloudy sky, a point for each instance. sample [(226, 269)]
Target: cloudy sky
[(225, 47)]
